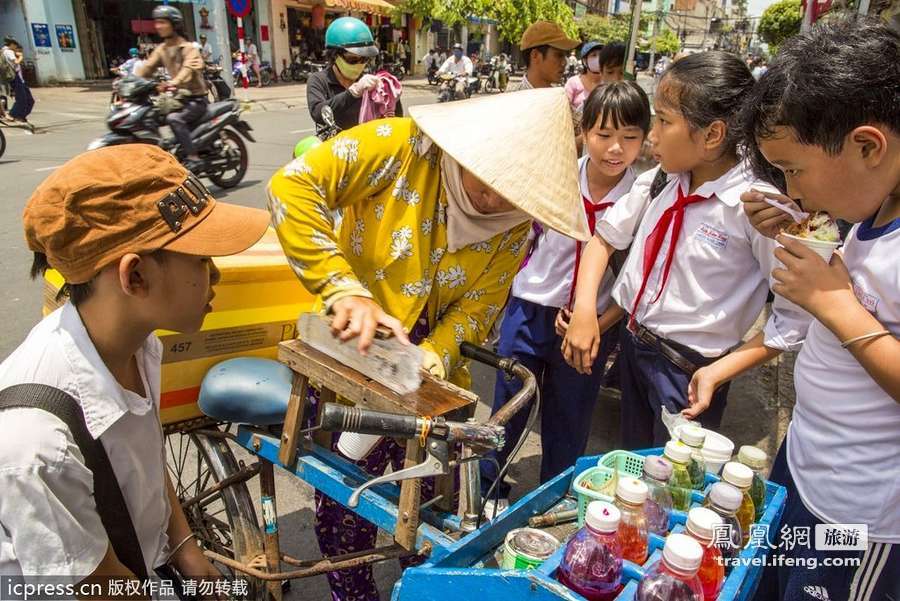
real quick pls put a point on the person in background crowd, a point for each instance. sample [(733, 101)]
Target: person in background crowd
[(23, 103), (545, 47), (760, 68), (349, 46), (125, 278), (460, 66), (206, 50), (182, 60), (134, 61), (252, 53), (612, 62), (579, 86)]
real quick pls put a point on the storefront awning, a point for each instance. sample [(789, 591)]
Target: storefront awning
[(378, 7)]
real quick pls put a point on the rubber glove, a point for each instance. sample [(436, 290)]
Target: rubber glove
[(432, 363), (363, 84)]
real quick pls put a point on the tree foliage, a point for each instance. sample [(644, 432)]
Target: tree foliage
[(667, 42), (513, 16), (779, 22), (605, 29)]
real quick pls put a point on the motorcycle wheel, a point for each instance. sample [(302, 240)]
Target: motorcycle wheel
[(233, 143), (2, 143), (266, 77)]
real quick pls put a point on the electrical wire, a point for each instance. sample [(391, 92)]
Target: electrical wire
[(532, 416)]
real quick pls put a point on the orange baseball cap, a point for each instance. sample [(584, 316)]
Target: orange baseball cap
[(134, 198), (547, 33)]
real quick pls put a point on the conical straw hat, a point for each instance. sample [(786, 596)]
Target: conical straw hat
[(522, 145)]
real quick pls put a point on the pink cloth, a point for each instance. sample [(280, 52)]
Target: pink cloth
[(575, 91), (381, 101)]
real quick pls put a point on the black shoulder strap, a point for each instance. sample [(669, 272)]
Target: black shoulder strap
[(107, 494)]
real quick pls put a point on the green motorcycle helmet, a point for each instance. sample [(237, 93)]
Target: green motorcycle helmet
[(351, 35), (305, 145)]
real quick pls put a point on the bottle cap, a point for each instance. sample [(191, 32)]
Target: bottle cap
[(683, 553), (692, 436), (726, 496), (702, 521), (737, 474), (658, 468), (753, 457), (602, 516), (632, 490), (677, 451)]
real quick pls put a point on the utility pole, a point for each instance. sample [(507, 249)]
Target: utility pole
[(656, 17), (633, 38)]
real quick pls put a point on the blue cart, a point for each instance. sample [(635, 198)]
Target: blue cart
[(459, 571)]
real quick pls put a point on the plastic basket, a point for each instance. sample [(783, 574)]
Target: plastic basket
[(593, 484), (623, 462)]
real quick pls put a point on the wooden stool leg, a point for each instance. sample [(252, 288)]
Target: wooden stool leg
[(270, 525), (410, 500), (293, 422)]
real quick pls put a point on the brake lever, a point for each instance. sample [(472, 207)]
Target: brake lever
[(436, 463)]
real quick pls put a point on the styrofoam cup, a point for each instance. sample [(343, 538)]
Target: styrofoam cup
[(820, 247), (356, 446), (717, 449)]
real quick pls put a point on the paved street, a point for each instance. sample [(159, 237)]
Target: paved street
[(69, 118)]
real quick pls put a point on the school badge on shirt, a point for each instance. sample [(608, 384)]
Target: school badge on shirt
[(869, 301), (711, 236)]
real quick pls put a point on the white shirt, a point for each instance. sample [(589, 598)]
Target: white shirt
[(10, 56), (844, 440), (429, 60), (461, 67), (720, 273), (548, 276), (48, 519)]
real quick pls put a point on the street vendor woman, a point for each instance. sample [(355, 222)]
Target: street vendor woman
[(436, 214)]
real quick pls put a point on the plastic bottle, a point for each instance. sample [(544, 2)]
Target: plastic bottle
[(674, 577), (693, 437), (679, 455), (592, 563), (631, 494), (757, 460), (741, 477), (658, 507), (700, 525), (725, 500)]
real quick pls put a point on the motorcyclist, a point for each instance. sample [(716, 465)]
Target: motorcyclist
[(128, 67), (460, 66), (182, 60), (349, 46), (500, 64), (206, 51)]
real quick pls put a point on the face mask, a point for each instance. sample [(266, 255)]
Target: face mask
[(349, 71), (593, 63), (457, 53)]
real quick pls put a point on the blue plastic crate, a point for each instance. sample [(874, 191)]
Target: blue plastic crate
[(459, 572)]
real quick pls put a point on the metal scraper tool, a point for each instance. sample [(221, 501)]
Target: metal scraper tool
[(389, 362)]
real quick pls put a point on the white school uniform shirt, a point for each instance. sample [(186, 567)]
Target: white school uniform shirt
[(720, 272), (48, 519), (844, 441), (548, 276)]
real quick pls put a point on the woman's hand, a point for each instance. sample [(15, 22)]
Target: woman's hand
[(432, 363), (767, 220), (562, 322), (582, 342), (810, 282), (193, 565), (701, 389), (358, 316)]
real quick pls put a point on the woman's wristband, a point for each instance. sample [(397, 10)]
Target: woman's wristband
[(871, 336)]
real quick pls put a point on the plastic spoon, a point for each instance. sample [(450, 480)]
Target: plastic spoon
[(798, 216)]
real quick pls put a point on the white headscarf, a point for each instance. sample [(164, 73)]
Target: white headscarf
[(465, 224)]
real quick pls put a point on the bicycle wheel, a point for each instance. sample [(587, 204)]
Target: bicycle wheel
[(2, 143), (224, 522)]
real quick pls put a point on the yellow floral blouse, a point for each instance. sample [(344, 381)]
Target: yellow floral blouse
[(391, 244)]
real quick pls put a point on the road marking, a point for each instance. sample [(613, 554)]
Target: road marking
[(303, 131), (49, 168)]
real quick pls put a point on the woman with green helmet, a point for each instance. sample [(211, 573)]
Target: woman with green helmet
[(349, 46)]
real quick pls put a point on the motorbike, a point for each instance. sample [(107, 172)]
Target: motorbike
[(218, 135), (432, 75), (266, 73), (392, 66), (215, 84), (447, 89)]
